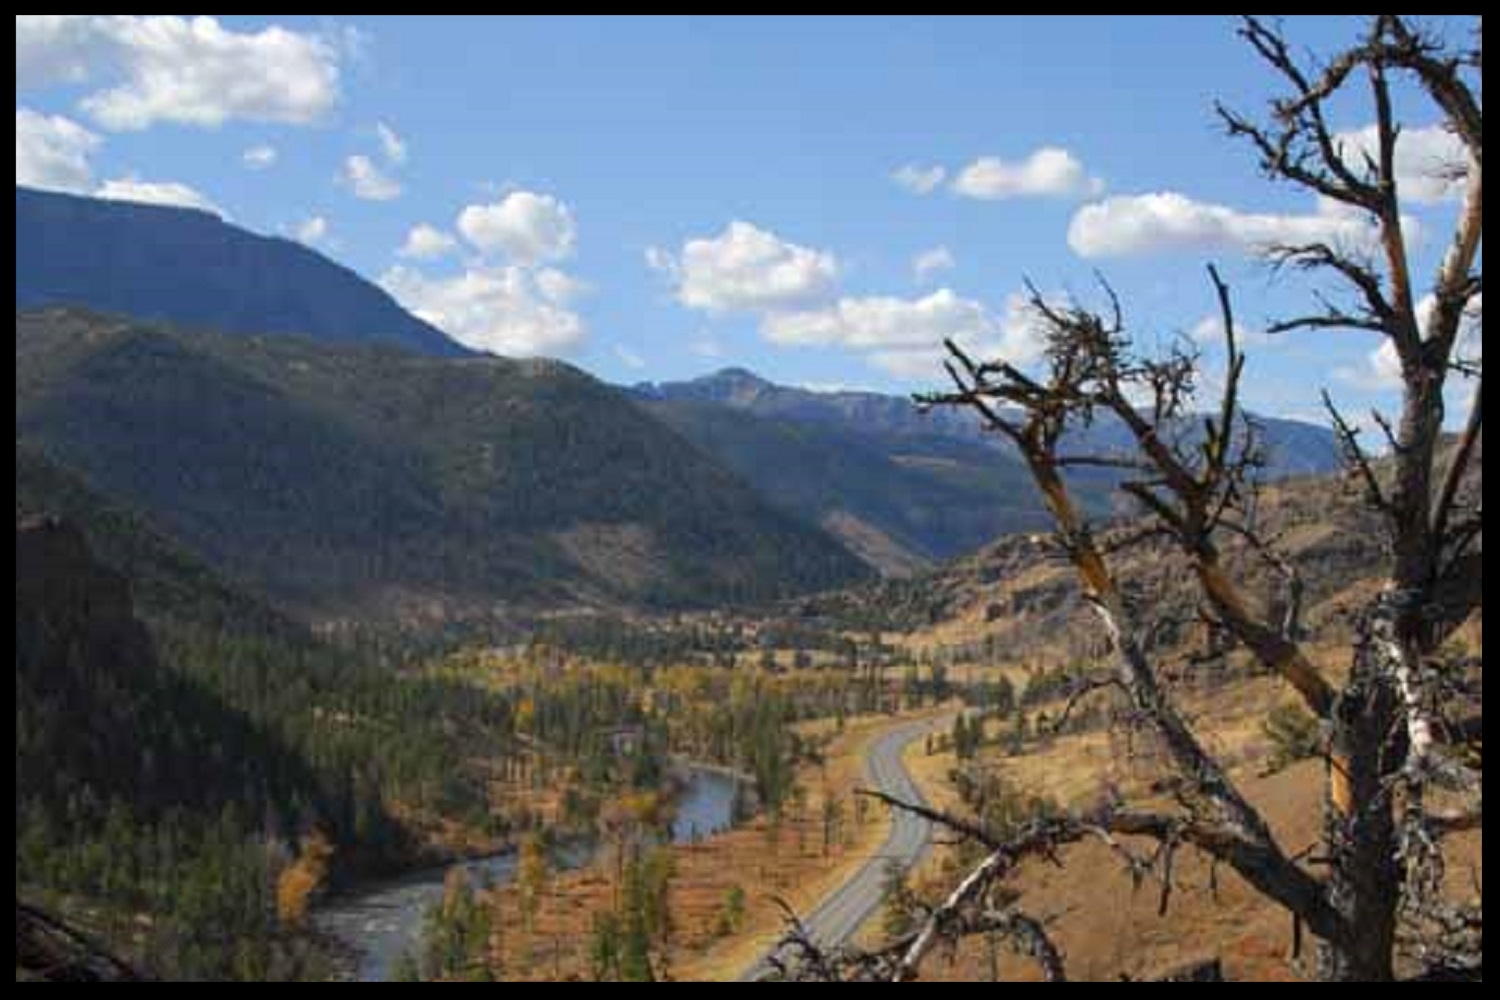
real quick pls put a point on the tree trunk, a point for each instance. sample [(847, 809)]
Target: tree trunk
[(1365, 881)]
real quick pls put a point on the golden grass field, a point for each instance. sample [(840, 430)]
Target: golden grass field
[(1109, 926)]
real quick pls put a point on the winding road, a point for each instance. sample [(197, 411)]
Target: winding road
[(840, 917)]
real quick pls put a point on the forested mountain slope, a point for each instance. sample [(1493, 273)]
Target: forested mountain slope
[(366, 483)]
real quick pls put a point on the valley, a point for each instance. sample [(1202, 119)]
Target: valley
[(398, 752), (812, 698), (747, 499)]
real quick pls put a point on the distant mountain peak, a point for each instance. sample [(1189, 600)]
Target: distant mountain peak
[(735, 374), (735, 387), (733, 384)]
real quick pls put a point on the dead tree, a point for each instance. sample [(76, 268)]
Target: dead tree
[(1380, 870)]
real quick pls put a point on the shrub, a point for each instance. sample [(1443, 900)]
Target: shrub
[(1294, 736)]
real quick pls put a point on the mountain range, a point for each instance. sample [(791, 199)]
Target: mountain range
[(903, 487), (287, 421)]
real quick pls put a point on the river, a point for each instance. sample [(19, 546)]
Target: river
[(379, 925)]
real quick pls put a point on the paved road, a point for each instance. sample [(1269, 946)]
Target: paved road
[(840, 917)]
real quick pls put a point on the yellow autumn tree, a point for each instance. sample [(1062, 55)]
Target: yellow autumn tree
[(526, 716), (303, 878)]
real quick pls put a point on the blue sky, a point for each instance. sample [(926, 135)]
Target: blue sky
[(820, 199)]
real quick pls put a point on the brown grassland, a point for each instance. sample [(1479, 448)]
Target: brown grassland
[(1107, 923)]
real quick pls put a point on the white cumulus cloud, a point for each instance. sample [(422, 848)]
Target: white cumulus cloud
[(747, 269), (526, 227), (865, 323), (169, 193), (1431, 162), (53, 153), (1049, 172), (63, 48), (501, 310), (156, 68), (427, 242), (559, 286), (1136, 225), (368, 182), (906, 336), (509, 299), (793, 292)]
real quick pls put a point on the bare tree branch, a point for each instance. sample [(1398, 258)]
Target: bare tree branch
[(1459, 468), (1196, 475), (1356, 458)]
